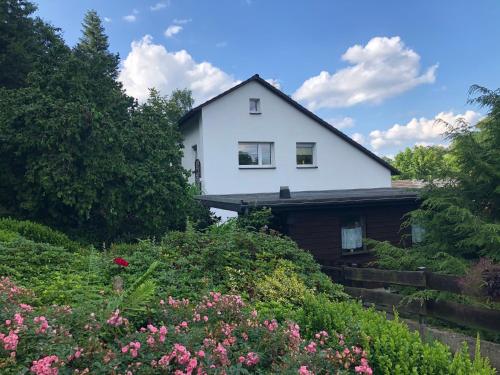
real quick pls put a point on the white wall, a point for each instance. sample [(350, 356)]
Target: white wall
[(226, 122), (224, 215), (191, 132)]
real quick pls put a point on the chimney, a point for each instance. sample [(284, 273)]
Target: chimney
[(284, 192)]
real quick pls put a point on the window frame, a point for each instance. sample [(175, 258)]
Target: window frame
[(314, 158), (258, 107), (417, 234), (362, 220), (259, 156)]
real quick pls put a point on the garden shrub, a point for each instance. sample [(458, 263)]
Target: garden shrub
[(233, 259), (283, 285), (7, 235), (225, 258), (219, 334), (268, 271), (256, 219), (38, 233), (410, 259), (55, 273), (391, 347), (216, 334)]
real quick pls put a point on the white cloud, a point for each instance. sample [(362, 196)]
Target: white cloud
[(107, 19), (358, 137), (420, 131), (383, 68), (150, 65), (342, 122), (182, 21), (274, 82), (172, 30), (221, 44), (130, 18), (160, 5)]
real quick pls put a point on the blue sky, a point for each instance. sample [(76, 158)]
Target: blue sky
[(390, 67)]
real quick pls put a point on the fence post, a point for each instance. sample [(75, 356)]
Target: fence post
[(342, 275), (423, 305)]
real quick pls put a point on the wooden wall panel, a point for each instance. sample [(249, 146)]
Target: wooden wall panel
[(318, 230)]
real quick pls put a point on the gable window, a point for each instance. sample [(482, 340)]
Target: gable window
[(254, 104), (255, 154), (306, 154), (352, 231)]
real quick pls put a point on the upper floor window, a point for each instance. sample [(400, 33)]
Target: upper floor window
[(306, 154), (254, 104), (255, 154)]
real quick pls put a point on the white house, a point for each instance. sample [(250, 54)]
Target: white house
[(251, 140)]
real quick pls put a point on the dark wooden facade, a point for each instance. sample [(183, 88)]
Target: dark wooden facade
[(314, 219), (319, 230)]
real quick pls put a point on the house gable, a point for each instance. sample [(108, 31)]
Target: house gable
[(256, 78)]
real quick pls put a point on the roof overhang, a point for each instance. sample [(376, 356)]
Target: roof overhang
[(304, 200)]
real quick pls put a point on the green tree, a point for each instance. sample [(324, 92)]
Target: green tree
[(155, 180), (423, 163), (17, 41), (462, 217), (79, 154)]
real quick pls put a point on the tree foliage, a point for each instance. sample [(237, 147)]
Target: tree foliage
[(79, 154), (462, 217), (23, 39), (423, 163)]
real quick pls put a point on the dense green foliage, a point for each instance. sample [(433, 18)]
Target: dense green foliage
[(392, 348), (462, 217), (397, 258), (76, 152), (23, 39), (423, 163), (268, 270), (225, 258), (37, 233)]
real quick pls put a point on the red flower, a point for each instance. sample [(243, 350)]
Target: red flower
[(121, 262)]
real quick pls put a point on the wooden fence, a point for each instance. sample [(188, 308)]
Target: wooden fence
[(367, 284)]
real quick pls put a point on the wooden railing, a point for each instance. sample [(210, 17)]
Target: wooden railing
[(367, 284)]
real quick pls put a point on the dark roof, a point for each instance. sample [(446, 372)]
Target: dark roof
[(257, 78), (308, 199)]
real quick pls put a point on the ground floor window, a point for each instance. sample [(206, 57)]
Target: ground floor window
[(417, 233), (352, 232)]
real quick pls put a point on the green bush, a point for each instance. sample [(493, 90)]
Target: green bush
[(46, 261), (37, 233), (226, 258), (392, 348), (268, 270), (410, 259), (218, 334), (7, 235)]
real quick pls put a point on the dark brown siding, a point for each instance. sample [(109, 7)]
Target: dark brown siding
[(318, 230)]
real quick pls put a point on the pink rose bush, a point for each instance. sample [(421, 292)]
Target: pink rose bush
[(218, 335)]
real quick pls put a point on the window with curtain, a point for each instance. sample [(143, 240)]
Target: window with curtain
[(305, 154), (256, 154), (352, 233), (417, 233)]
